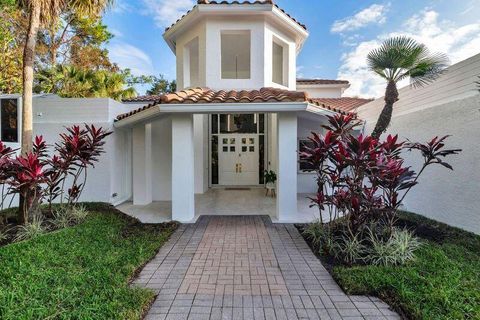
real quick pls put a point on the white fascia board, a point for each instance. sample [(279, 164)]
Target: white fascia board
[(209, 108), (202, 108), (319, 110), (139, 117), (323, 86)]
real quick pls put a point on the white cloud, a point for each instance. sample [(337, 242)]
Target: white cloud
[(128, 56), (120, 6), (299, 72), (117, 33), (166, 12), (375, 14), (458, 42)]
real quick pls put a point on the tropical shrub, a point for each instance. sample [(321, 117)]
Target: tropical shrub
[(363, 181), (37, 176), (31, 229)]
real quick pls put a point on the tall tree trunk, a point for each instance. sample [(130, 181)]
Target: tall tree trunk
[(391, 96), (27, 99)]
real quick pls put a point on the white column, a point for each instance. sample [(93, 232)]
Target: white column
[(183, 168), (287, 167), (142, 164)]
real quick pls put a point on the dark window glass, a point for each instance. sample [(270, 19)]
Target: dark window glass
[(214, 123), (305, 167), (214, 159), (261, 159), (237, 123), (261, 123), (9, 120)]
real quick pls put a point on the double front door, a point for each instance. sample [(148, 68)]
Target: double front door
[(238, 159)]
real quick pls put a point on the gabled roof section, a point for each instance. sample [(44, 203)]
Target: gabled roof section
[(320, 81), (345, 104), (243, 3), (206, 96)]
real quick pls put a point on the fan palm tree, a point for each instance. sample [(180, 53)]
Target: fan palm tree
[(41, 12), (401, 58)]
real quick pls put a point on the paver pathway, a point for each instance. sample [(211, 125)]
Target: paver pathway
[(245, 267)]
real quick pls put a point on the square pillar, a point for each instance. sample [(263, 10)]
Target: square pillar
[(287, 166), (183, 168), (142, 164)]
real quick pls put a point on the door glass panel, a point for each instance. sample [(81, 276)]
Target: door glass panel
[(232, 149), (214, 159), (251, 141), (244, 140), (238, 123), (225, 141), (261, 123), (225, 149), (244, 149), (261, 159), (232, 141), (252, 149), (215, 123)]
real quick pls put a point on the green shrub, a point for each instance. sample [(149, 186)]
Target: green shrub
[(62, 217), (398, 249), (316, 234), (349, 249), (79, 213), (31, 229)]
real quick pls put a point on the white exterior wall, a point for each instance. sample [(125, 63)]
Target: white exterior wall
[(162, 159), (449, 106), (322, 91)]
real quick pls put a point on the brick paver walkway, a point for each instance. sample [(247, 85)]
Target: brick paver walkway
[(247, 268)]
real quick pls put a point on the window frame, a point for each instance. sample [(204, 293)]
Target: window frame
[(236, 32), (18, 111)]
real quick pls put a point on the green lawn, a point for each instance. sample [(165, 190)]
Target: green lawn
[(443, 283), (80, 272)]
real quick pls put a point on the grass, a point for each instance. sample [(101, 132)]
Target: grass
[(442, 283), (80, 272)]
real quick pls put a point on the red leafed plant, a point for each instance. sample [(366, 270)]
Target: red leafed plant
[(39, 176), (362, 179)]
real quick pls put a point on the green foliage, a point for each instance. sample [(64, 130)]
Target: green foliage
[(31, 229), (10, 53), (270, 176), (402, 57), (349, 249), (160, 86), (79, 213), (398, 249), (80, 272), (441, 283), (72, 82), (316, 234), (62, 217)]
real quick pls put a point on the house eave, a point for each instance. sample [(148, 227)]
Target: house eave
[(212, 108)]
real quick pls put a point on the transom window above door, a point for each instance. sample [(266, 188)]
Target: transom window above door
[(238, 123)]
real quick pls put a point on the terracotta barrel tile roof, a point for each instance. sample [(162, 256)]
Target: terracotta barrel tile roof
[(246, 2), (345, 104), (264, 95), (320, 81)]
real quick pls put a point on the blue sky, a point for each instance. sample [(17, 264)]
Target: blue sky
[(342, 32)]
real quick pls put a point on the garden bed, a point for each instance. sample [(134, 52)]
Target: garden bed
[(81, 272), (442, 283)]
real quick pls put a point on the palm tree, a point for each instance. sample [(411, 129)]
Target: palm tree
[(41, 12), (400, 58)]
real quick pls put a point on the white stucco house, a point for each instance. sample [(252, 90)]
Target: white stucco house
[(240, 110)]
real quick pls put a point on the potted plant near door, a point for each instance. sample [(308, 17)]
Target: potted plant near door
[(270, 179)]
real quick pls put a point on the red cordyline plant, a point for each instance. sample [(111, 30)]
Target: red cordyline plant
[(37, 175), (362, 179)]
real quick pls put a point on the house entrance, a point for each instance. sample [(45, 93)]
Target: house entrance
[(237, 149)]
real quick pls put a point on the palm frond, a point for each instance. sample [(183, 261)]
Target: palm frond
[(402, 57), (427, 69)]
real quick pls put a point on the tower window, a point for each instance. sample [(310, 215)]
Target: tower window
[(235, 54), (279, 63)]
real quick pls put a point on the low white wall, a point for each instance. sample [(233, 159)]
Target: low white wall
[(448, 196)]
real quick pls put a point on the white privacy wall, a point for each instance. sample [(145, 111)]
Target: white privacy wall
[(109, 180), (450, 106)]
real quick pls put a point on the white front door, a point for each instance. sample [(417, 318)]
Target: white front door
[(238, 159)]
